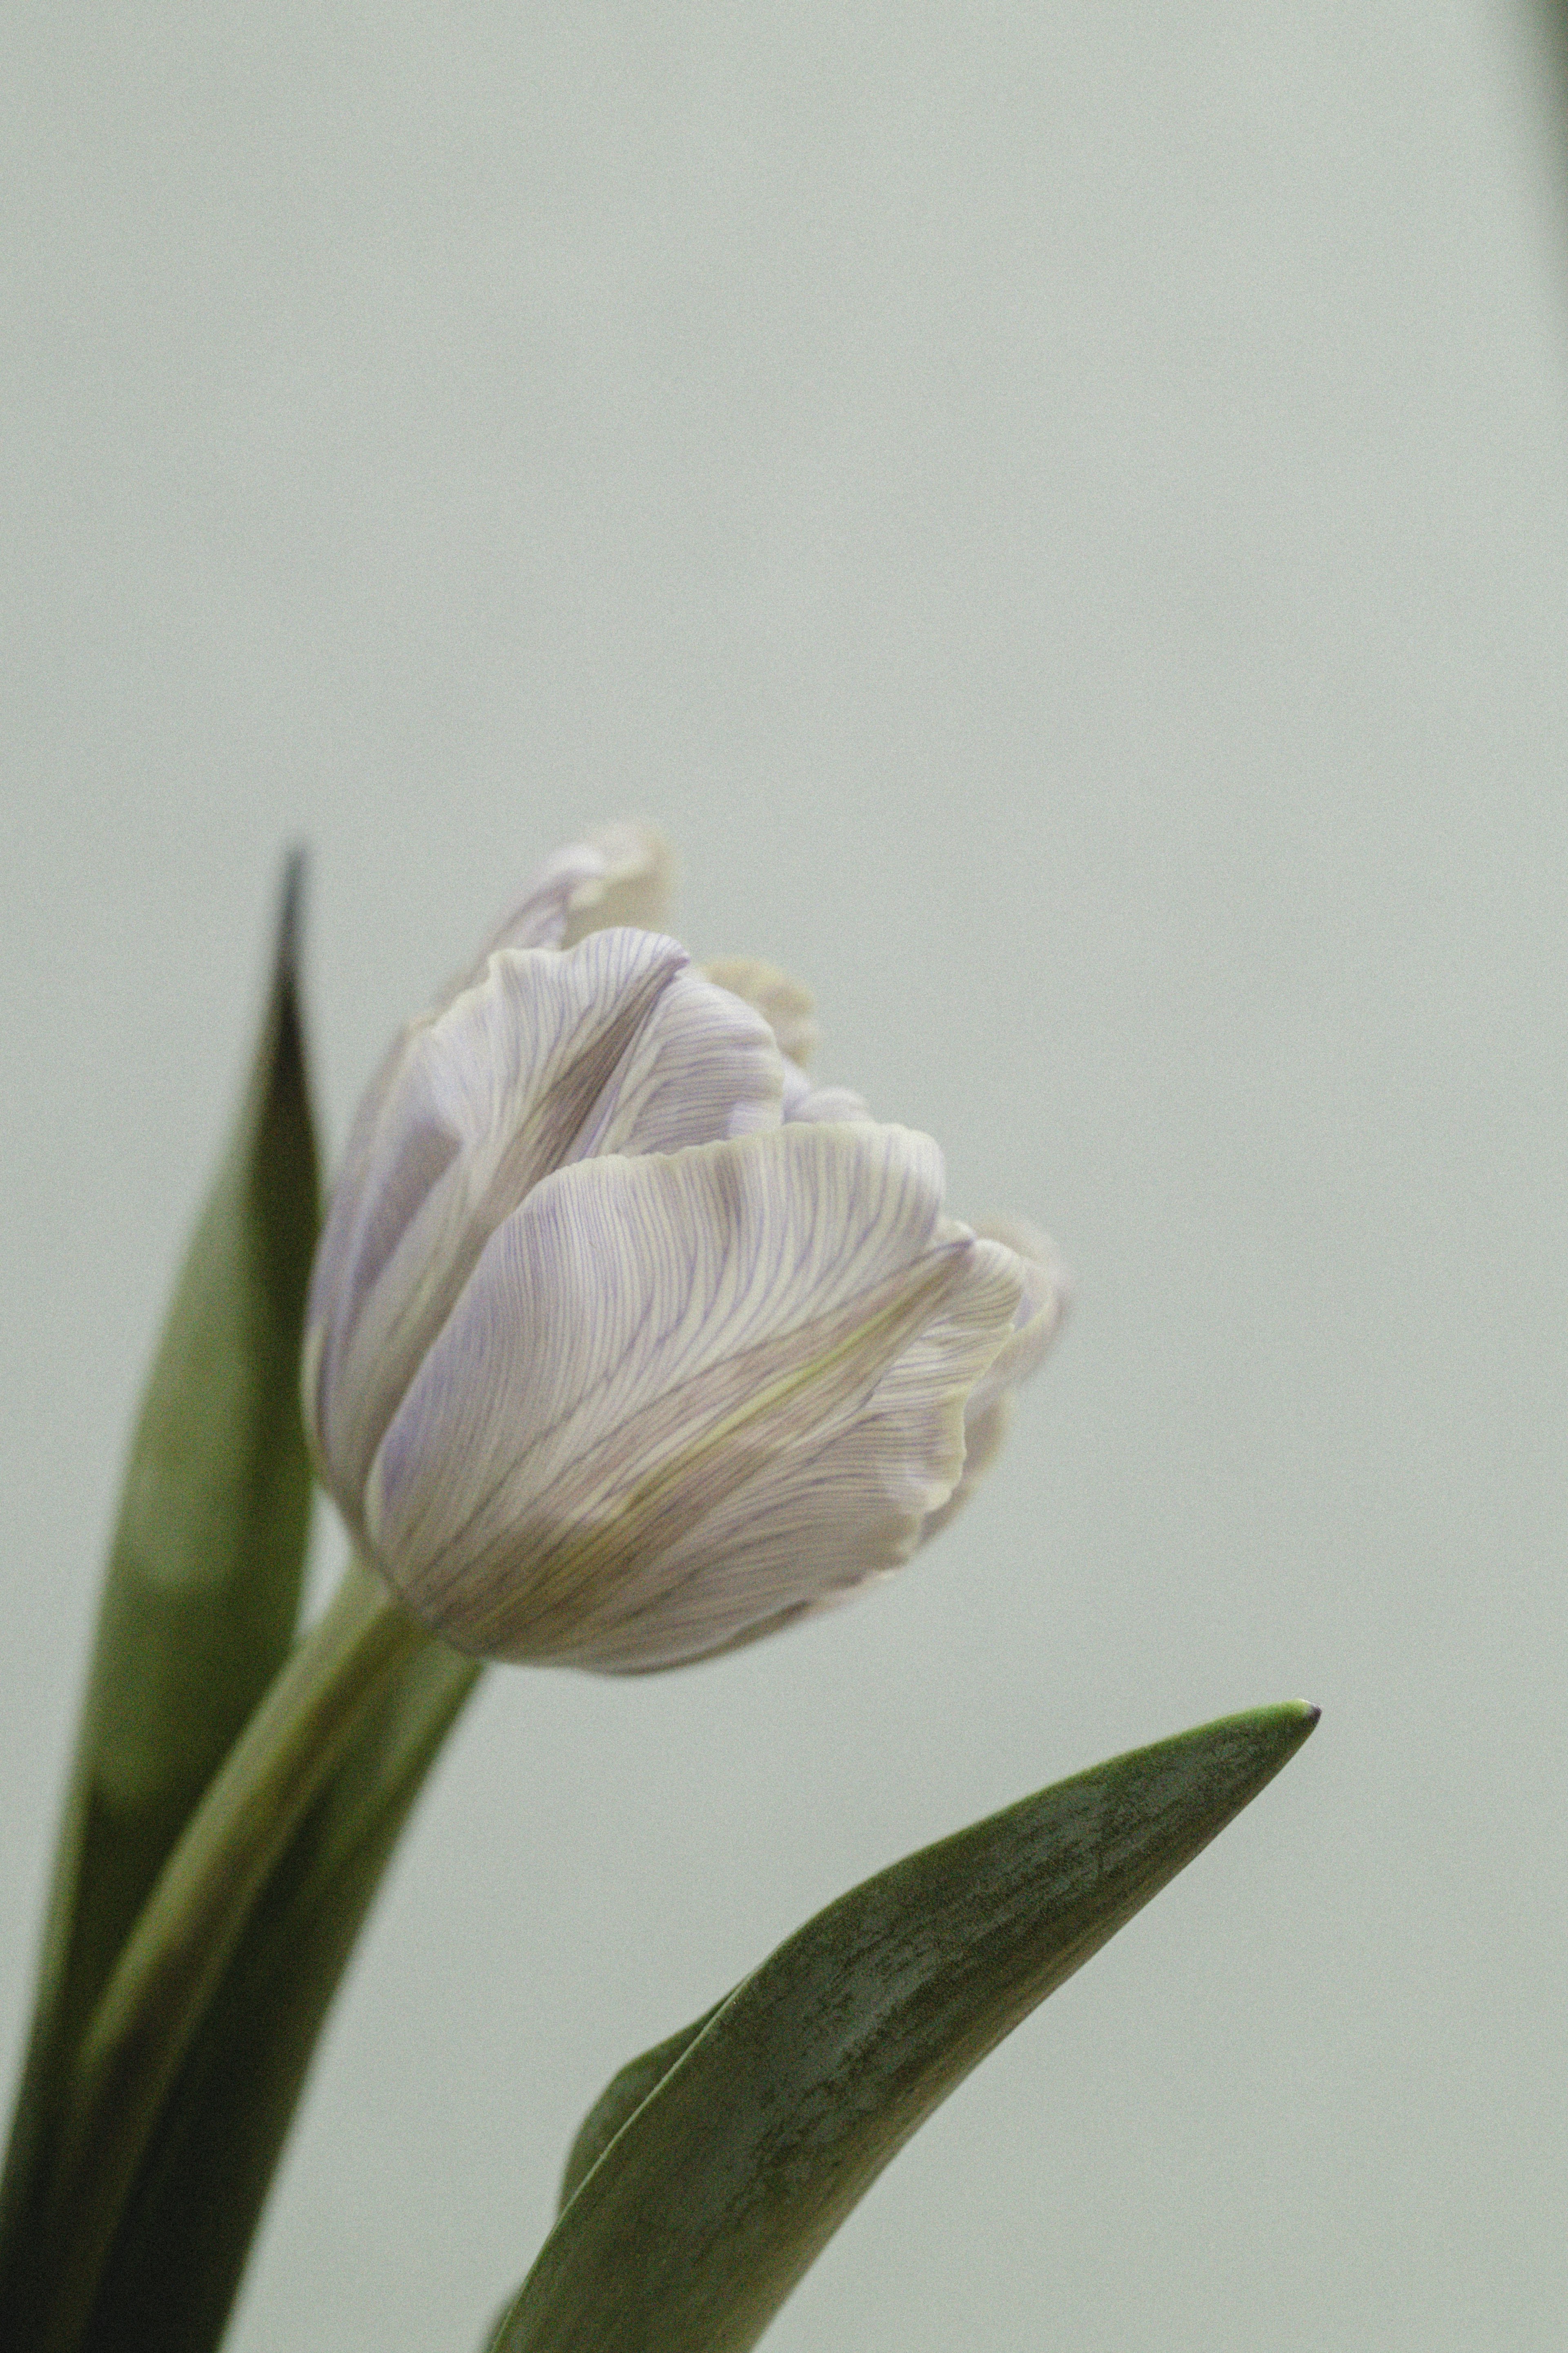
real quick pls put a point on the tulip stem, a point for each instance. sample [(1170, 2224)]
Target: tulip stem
[(175, 1956)]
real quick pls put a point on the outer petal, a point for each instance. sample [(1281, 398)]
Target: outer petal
[(681, 1395), (986, 1426), (1046, 1297), (820, 1522), (618, 874), (1042, 1303), (615, 1046)]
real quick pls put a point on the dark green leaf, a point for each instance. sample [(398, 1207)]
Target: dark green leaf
[(202, 1591), (722, 2185), (620, 2097)]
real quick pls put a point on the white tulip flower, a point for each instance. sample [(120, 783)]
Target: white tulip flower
[(624, 1342)]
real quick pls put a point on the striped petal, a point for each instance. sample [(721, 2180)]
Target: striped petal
[(1043, 1297), (682, 1395), (1043, 1302), (615, 1046), (826, 1519), (783, 1004), (803, 1100), (787, 1008), (618, 875)]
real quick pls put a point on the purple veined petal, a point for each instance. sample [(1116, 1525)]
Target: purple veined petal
[(611, 1046), (1043, 1302), (703, 1067), (986, 1426), (803, 1100), (829, 1105), (618, 874), (824, 1520), (617, 877), (1045, 1298), (669, 1378), (376, 1189), (783, 1004), (422, 1158)]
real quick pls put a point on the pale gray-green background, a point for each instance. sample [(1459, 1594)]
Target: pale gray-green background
[(1062, 512)]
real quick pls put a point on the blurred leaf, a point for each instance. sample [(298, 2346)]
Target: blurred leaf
[(178, 2257), (202, 1591), (720, 2190), (1553, 18)]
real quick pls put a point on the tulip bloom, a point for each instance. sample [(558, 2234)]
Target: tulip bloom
[(624, 1342)]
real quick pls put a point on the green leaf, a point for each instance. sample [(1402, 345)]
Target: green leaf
[(620, 2099), (721, 2187), (184, 2232), (202, 1591)]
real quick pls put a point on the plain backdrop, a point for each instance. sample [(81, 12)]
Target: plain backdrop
[(1062, 515)]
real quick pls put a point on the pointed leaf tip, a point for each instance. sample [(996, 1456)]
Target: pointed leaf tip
[(291, 915), (691, 2212), (202, 1591)]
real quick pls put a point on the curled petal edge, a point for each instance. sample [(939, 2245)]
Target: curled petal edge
[(648, 1348), (615, 1046)]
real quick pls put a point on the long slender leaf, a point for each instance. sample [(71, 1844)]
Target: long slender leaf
[(187, 2227), (720, 2188), (202, 1591)]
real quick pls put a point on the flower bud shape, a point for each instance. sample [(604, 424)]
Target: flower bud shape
[(626, 1343)]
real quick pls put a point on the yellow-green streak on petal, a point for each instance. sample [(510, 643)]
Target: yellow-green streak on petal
[(554, 1582)]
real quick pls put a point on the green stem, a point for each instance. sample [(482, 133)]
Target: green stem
[(173, 1961)]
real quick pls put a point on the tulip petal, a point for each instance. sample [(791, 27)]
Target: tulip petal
[(613, 1045), (803, 1100), (783, 1003), (703, 1067), (1046, 1297), (1043, 1302), (616, 876), (986, 1426), (682, 1393), (819, 1523)]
